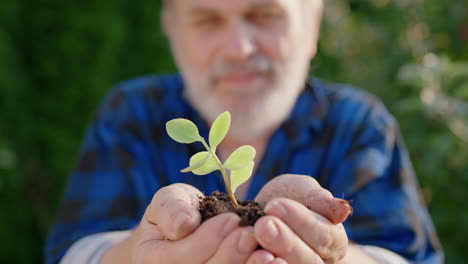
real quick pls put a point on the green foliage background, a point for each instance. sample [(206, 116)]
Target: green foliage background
[(58, 59)]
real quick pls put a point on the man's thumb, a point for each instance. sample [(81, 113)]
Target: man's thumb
[(306, 190)]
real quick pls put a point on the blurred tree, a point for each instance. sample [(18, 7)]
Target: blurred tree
[(389, 47), (58, 59)]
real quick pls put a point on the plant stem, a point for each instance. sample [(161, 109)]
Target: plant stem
[(224, 173)]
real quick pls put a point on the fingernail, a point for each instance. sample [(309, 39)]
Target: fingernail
[(179, 221), (268, 259), (277, 261), (231, 222), (270, 232), (247, 241), (275, 208)]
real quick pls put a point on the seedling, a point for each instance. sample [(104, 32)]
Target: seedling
[(240, 163)]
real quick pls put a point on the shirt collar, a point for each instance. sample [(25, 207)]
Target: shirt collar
[(307, 115)]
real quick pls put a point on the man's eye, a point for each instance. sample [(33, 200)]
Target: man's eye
[(208, 21), (265, 16)]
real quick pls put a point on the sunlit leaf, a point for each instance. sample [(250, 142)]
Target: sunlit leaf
[(183, 130), (207, 167), (240, 158), (240, 176), (219, 129), (197, 164)]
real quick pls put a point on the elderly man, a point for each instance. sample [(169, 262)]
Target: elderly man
[(126, 202)]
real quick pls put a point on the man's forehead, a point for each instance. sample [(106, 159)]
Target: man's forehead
[(200, 5)]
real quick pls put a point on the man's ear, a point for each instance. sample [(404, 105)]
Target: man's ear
[(313, 50), (312, 42), (167, 24), (316, 25)]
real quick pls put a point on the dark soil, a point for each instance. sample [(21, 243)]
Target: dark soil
[(219, 203)]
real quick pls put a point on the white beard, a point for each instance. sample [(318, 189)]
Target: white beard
[(257, 111), (253, 119)]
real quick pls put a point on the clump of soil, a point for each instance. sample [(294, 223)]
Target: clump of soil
[(218, 203)]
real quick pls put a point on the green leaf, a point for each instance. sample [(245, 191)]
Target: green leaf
[(240, 158), (198, 164), (183, 130), (219, 129), (240, 176), (209, 166)]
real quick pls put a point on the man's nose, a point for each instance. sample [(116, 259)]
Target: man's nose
[(239, 42)]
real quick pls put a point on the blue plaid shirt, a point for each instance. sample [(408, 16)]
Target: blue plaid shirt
[(342, 136)]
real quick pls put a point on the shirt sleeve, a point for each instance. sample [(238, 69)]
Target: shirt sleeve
[(91, 249), (101, 194), (371, 168)]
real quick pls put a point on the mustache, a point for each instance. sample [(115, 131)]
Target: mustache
[(254, 64)]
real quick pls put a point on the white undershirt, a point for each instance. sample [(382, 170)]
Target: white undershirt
[(91, 249)]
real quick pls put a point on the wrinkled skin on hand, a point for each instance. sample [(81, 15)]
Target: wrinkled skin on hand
[(302, 225), (303, 222), (306, 190), (170, 232)]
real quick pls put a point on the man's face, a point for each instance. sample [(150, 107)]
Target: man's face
[(249, 57)]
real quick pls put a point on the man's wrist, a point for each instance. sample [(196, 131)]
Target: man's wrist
[(382, 255), (371, 254), (354, 254), (118, 252)]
